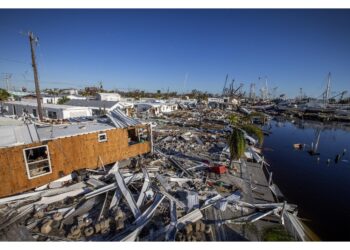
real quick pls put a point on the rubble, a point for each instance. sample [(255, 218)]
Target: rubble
[(174, 193)]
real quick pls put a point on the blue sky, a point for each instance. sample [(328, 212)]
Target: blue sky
[(155, 49)]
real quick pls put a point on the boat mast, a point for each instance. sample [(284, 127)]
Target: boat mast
[(328, 89), (318, 133)]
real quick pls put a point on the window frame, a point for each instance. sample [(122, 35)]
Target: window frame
[(103, 140), (52, 112), (27, 164)]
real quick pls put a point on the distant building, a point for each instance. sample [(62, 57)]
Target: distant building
[(149, 109), (98, 107), (76, 97), (155, 108), (70, 91), (50, 111), (223, 102), (127, 99), (108, 97), (50, 99), (20, 93)]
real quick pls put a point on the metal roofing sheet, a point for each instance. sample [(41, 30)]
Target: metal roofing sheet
[(92, 103)]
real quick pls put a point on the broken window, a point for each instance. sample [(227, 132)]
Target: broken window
[(137, 135), (52, 114), (143, 134), (132, 136), (34, 113), (102, 137), (37, 161)]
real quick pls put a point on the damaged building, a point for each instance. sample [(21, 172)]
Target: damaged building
[(32, 155), (184, 190), (50, 111)]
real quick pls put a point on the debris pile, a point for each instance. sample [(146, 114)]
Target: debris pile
[(186, 190)]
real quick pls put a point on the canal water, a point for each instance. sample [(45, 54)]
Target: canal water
[(320, 187)]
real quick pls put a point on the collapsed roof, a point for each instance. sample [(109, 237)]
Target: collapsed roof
[(16, 132)]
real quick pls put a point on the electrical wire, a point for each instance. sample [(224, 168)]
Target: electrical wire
[(15, 61)]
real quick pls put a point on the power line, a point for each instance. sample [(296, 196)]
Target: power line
[(57, 83), (7, 78), (15, 61)]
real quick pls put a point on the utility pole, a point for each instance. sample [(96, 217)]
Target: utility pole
[(33, 41), (7, 77), (224, 90), (185, 81)]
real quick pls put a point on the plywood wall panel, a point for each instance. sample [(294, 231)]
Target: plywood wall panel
[(67, 155)]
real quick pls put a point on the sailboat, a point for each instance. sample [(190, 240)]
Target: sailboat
[(314, 147)]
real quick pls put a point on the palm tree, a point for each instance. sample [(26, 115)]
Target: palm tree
[(236, 140), (63, 100), (237, 144), (245, 123)]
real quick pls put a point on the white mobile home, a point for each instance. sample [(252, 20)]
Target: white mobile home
[(50, 111)]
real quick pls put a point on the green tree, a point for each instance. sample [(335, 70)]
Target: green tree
[(52, 92), (4, 95), (63, 100)]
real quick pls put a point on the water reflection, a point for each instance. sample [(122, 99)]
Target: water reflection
[(319, 183)]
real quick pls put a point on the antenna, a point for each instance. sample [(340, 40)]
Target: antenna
[(252, 91), (266, 89), (7, 77), (185, 81)]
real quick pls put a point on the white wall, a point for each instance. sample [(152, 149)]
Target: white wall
[(70, 91), (74, 97), (108, 97), (51, 99), (72, 113)]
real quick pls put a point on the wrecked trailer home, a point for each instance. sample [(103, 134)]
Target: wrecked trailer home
[(33, 155)]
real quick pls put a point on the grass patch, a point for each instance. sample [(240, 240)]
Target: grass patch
[(276, 234)]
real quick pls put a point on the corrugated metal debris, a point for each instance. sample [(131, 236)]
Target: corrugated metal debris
[(170, 194)]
